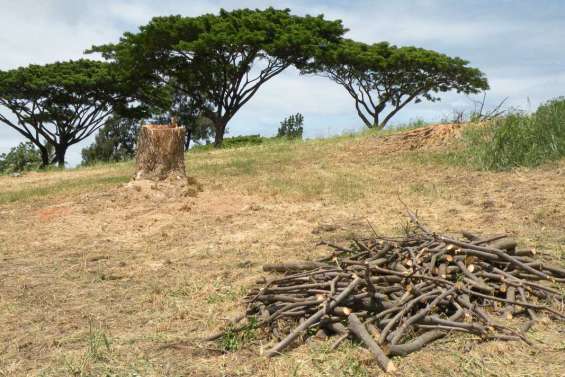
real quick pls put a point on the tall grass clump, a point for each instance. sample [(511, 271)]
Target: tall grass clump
[(518, 139)]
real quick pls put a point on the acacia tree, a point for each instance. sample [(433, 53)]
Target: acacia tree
[(382, 78), (58, 105), (223, 58)]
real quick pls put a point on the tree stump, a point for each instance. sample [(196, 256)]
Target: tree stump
[(160, 152)]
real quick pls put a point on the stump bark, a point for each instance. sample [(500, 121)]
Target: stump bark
[(160, 152)]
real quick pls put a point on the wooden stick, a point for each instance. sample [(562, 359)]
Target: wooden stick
[(533, 318), (519, 303), (313, 319), (390, 288), (357, 329), (507, 244), (339, 340), (295, 266), (415, 345), (421, 341), (402, 312), (501, 254), (419, 315), (526, 282), (488, 239), (511, 296)]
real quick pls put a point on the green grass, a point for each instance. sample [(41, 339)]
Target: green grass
[(98, 342), (343, 185), (311, 169), (275, 165), (516, 140), (304, 169), (299, 169), (69, 185), (257, 140), (412, 124), (234, 340)]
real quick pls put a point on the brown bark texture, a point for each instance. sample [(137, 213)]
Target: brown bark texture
[(160, 152)]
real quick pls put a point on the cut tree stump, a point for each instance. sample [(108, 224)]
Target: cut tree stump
[(160, 152)]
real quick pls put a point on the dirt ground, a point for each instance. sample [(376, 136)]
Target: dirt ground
[(110, 280)]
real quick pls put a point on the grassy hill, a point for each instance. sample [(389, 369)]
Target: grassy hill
[(98, 280)]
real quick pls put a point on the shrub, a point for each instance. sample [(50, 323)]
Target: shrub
[(242, 141), (24, 157), (234, 142), (518, 139), (292, 127), (550, 118), (413, 123)]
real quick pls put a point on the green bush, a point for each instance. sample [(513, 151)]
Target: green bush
[(22, 158), (551, 117), (242, 141), (518, 139), (234, 142)]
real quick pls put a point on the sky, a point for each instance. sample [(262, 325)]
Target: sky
[(518, 44)]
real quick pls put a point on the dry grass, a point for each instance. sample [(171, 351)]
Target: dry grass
[(99, 280)]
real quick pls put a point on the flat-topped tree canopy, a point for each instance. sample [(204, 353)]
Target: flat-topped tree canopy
[(62, 103), (383, 78), (222, 59)]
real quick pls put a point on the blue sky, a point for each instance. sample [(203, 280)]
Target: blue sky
[(519, 44)]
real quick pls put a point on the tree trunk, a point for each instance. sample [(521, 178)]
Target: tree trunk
[(219, 130), (60, 151), (160, 152), (385, 121), (44, 157), (376, 124), (378, 110)]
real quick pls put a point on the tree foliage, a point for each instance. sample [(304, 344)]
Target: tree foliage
[(22, 158), (62, 103), (189, 113), (383, 78), (292, 127), (116, 141), (202, 70), (222, 60)]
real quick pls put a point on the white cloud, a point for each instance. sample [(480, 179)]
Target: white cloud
[(291, 91), (43, 32)]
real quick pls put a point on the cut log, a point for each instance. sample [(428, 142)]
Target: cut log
[(160, 152), (415, 345), (293, 267), (507, 244), (357, 328), (313, 319)]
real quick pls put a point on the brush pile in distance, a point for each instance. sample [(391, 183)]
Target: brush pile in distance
[(396, 295)]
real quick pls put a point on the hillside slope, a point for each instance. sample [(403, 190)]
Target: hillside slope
[(98, 280)]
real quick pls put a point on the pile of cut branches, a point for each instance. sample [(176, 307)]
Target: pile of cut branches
[(396, 295)]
